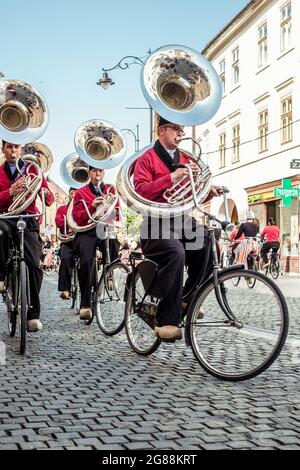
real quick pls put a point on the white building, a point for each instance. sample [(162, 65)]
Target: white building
[(255, 135)]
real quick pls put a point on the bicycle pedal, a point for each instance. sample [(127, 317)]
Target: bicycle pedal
[(168, 340)]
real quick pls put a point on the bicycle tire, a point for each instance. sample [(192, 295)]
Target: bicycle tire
[(10, 301), (111, 320), (74, 289), (23, 306), (133, 323), (226, 351), (275, 269)]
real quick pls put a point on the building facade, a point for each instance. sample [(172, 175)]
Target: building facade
[(250, 143)]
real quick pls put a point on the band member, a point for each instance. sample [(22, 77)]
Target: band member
[(67, 251), (86, 242), (249, 228), (155, 171), (11, 184)]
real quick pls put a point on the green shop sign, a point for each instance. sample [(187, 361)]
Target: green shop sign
[(287, 192)]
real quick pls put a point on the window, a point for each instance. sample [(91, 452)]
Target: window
[(222, 149), (286, 26), (286, 120), (262, 45), (236, 143), (235, 67), (263, 129), (222, 76)]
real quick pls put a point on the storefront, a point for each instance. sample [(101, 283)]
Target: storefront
[(264, 205)]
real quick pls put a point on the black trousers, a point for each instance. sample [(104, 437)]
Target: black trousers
[(67, 253), (32, 252), (172, 254), (85, 244), (267, 247)]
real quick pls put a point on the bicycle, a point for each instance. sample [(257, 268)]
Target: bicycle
[(16, 293), (253, 260), (226, 326), (274, 266)]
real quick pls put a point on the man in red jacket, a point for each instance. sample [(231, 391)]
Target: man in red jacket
[(155, 171), (86, 242), (67, 250), (11, 184)]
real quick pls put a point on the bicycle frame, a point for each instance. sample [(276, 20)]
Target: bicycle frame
[(18, 258)]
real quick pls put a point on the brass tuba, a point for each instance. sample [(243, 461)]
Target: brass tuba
[(181, 86), (23, 112), (37, 160), (100, 144), (23, 119)]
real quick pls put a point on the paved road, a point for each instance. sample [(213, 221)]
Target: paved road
[(77, 389)]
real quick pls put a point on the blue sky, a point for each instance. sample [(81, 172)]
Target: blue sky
[(60, 47)]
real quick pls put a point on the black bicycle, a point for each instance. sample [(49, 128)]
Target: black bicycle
[(16, 293), (273, 266), (235, 332)]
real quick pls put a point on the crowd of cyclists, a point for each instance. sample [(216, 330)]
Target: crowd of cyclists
[(256, 250)]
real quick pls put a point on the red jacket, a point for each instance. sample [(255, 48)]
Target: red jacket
[(233, 235), (61, 213), (272, 233), (79, 213), (6, 199), (152, 177)]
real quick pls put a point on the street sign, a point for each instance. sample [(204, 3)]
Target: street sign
[(295, 164), (287, 192)]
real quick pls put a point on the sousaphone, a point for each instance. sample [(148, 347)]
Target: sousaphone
[(181, 86)]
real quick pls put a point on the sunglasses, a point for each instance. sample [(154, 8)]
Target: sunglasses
[(176, 128)]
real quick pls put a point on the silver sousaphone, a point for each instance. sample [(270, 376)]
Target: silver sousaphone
[(23, 112), (23, 119), (99, 144), (182, 87)]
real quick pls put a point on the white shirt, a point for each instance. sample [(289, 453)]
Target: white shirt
[(171, 153)]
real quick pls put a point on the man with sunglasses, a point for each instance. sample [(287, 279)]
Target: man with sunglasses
[(184, 242)]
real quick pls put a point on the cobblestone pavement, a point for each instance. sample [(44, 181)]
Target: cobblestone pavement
[(76, 388)]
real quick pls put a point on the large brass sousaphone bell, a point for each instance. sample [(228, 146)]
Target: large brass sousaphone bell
[(100, 144), (182, 87), (74, 171), (23, 112), (23, 119), (41, 153)]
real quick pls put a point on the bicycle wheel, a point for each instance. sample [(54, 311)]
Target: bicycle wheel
[(140, 318), (74, 292), (23, 306), (11, 301), (110, 299), (238, 351), (275, 268)]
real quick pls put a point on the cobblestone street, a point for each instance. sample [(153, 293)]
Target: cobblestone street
[(76, 388)]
